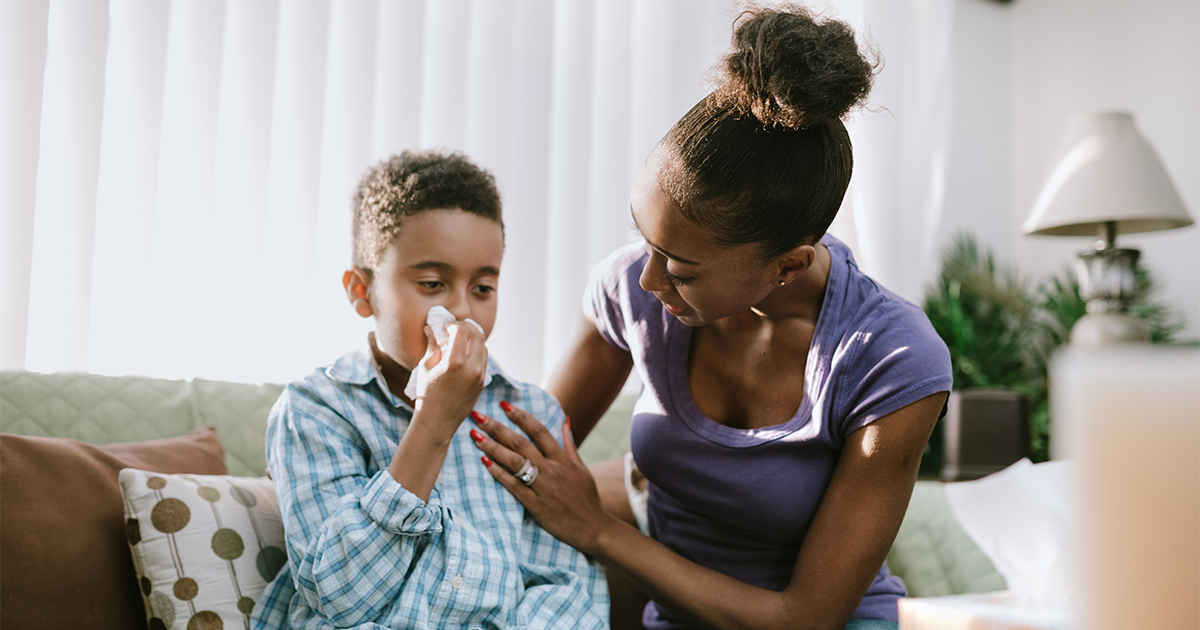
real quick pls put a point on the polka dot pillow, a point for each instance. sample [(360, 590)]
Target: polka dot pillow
[(204, 546)]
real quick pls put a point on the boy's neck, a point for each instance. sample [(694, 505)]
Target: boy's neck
[(395, 376)]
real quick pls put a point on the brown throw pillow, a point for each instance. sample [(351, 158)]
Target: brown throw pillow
[(64, 557)]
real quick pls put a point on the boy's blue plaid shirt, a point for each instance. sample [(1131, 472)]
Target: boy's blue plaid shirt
[(364, 552)]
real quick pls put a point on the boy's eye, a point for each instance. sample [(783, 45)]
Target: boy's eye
[(483, 288)]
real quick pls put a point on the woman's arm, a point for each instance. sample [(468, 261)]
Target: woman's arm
[(842, 552), (589, 378)]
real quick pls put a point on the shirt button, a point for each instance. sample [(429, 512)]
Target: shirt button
[(456, 582)]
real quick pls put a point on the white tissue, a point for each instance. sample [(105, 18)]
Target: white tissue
[(437, 319), (1026, 521)]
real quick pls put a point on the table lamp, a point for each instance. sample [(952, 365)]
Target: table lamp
[(1106, 179)]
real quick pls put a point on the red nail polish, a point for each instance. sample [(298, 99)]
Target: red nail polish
[(486, 462), (478, 417), (477, 436), (505, 406)]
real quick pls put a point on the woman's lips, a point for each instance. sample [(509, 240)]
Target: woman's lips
[(674, 310)]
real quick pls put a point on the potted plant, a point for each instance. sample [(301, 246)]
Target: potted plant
[(1002, 330), (986, 314)]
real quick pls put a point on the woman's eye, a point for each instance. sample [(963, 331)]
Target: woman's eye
[(676, 280), (483, 288), (430, 284)]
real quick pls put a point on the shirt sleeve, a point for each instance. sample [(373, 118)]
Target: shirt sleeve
[(898, 360), (348, 532)]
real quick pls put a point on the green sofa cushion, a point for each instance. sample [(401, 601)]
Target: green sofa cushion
[(609, 439), (106, 409), (932, 552)]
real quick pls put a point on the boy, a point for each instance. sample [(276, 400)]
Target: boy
[(390, 520)]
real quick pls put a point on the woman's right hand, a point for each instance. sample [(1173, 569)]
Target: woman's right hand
[(563, 497)]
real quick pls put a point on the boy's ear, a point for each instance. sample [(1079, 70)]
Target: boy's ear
[(357, 282)]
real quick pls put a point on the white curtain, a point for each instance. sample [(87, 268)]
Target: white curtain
[(175, 175), (896, 197)]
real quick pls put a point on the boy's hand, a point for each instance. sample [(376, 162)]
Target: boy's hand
[(456, 378), (454, 382)]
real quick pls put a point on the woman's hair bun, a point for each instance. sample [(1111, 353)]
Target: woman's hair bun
[(789, 68)]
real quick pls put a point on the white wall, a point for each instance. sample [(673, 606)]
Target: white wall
[(1022, 69), (979, 171)]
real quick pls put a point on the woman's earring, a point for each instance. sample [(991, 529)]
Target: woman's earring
[(782, 282)]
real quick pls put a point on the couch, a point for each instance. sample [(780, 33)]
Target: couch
[(85, 545)]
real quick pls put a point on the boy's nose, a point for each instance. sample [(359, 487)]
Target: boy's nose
[(458, 307)]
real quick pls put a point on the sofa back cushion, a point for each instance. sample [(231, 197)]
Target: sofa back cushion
[(65, 559), (104, 409), (933, 554)]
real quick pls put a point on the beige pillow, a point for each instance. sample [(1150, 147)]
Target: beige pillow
[(63, 558), (204, 546)]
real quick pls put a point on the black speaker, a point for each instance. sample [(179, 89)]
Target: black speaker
[(986, 430)]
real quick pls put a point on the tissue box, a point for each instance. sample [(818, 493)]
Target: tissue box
[(978, 611)]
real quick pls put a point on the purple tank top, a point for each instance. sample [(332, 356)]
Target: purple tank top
[(740, 501)]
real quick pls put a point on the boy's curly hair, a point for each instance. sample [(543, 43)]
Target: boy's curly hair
[(414, 182)]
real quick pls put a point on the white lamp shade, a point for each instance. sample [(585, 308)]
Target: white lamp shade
[(1106, 171)]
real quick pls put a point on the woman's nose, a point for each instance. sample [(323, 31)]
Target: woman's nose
[(653, 279)]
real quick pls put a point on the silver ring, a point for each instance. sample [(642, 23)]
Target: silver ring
[(527, 473)]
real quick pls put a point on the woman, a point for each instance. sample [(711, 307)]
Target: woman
[(787, 396)]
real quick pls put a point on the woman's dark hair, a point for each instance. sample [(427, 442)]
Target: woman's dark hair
[(765, 157), (410, 183)]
